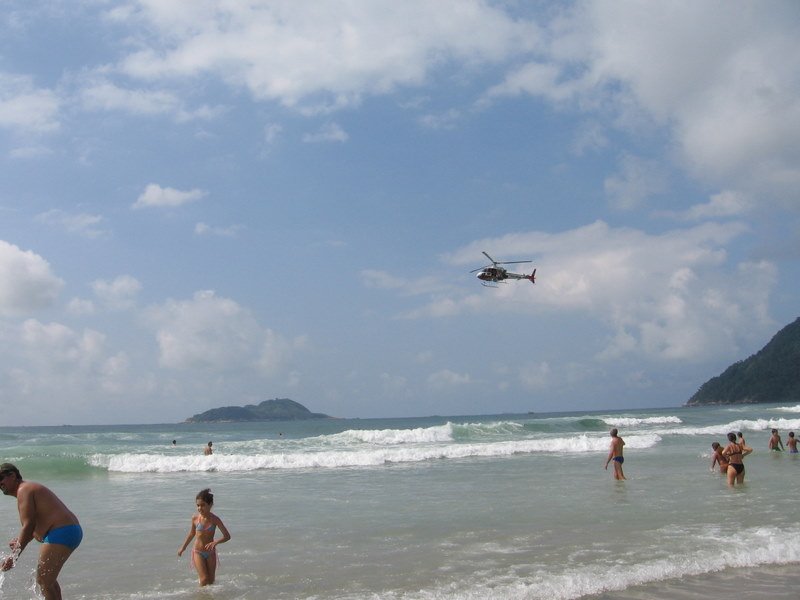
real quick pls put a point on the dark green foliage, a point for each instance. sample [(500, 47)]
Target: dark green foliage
[(280, 409), (770, 375)]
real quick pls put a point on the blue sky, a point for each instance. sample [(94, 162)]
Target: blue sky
[(215, 203)]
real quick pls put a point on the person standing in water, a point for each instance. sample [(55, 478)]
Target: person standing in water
[(740, 441), (615, 454), (208, 451), (204, 526), (775, 441), (735, 453), (45, 518), (719, 459), (792, 443)]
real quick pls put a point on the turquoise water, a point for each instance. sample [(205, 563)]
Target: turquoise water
[(501, 506)]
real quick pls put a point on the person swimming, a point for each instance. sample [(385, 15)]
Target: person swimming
[(204, 527)]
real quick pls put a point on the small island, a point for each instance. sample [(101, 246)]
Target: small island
[(279, 409), (770, 375)]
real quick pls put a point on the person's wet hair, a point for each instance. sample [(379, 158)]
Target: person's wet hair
[(8, 468), (206, 496), (731, 437), (715, 445)]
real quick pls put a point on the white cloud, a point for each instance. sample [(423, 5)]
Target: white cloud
[(327, 54), (57, 345), (25, 108), (535, 376), (394, 385), (382, 280), (538, 79), (424, 357), (30, 152), (374, 278), (731, 111), (105, 95), (330, 132), (445, 120), (80, 224), (637, 180), (271, 133), (230, 231), (51, 360), (27, 283), (276, 352), (671, 296), (118, 294), (156, 196), (448, 379), (79, 306), (589, 137), (211, 334), (726, 204)]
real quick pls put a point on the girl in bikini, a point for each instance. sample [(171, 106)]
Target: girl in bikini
[(735, 453), (204, 526)]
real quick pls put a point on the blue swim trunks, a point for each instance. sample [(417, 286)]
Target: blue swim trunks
[(68, 535), (619, 459)]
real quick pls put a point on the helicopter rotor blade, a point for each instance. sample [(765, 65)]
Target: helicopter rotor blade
[(494, 262), (480, 268)]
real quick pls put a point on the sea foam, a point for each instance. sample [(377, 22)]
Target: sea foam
[(388, 437), (749, 548), (740, 425), (634, 421), (357, 458)]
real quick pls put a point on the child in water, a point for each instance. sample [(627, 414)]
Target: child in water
[(719, 459), (792, 443), (204, 526)]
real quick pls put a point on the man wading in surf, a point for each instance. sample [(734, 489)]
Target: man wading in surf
[(615, 454), (45, 518)]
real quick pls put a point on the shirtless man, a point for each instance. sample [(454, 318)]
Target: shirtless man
[(45, 518), (775, 442), (615, 454), (208, 451)]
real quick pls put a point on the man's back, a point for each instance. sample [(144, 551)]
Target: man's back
[(47, 510)]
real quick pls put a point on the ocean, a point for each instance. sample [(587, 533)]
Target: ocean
[(506, 507)]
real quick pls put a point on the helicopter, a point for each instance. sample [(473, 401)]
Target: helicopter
[(494, 273)]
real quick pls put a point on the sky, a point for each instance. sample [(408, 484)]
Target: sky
[(214, 203)]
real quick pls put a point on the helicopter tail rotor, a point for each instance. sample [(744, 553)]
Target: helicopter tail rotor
[(532, 277)]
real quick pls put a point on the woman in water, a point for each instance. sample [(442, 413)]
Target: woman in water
[(735, 453), (204, 526)]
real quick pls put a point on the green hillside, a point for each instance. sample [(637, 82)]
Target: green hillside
[(770, 375), (280, 409)]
